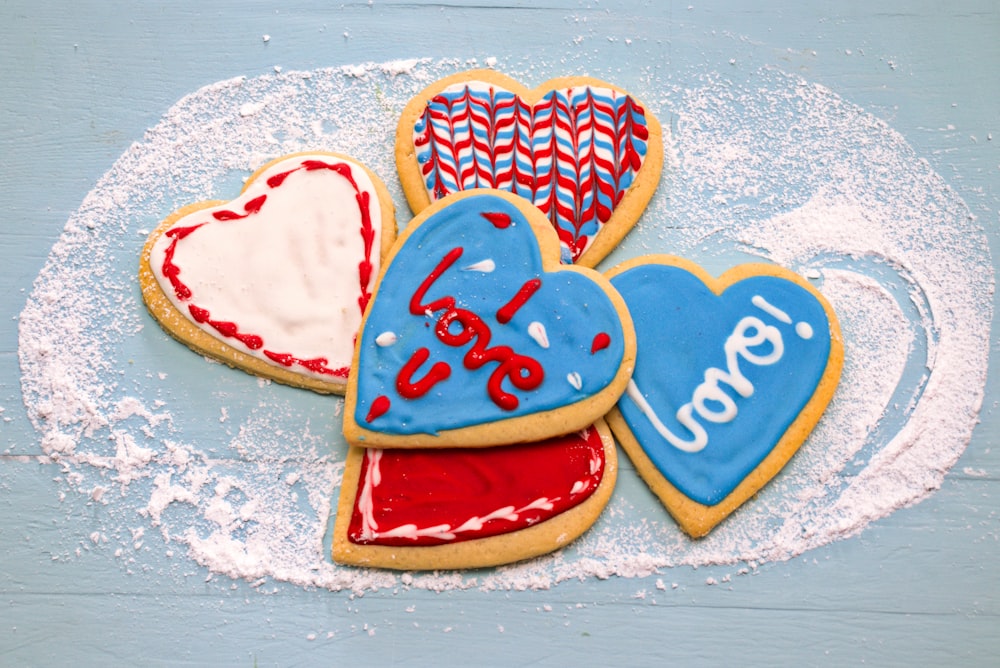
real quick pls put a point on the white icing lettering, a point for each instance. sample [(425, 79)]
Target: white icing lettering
[(710, 401), (700, 439), (771, 309)]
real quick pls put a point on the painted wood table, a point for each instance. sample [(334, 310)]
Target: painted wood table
[(157, 509)]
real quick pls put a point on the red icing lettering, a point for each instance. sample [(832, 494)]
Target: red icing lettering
[(524, 373), (411, 390), (601, 341), (435, 496), (508, 310), (416, 301)]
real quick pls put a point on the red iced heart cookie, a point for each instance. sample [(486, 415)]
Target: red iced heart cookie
[(470, 507), (585, 152), (274, 282)]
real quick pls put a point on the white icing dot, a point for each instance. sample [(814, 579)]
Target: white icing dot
[(804, 330), (386, 339), (536, 330), (486, 266), (575, 380)]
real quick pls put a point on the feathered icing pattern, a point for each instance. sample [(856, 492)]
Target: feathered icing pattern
[(574, 153)]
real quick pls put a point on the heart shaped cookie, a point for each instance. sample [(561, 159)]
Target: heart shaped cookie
[(274, 282), (731, 376), (476, 335), (471, 507), (585, 152)]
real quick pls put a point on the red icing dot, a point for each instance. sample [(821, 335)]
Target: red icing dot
[(254, 205), (499, 220), (601, 341), (379, 407), (199, 314)]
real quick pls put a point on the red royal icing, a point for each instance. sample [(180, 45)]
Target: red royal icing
[(601, 341), (436, 496), (499, 220), (523, 372), (379, 406), (225, 328), (507, 311)]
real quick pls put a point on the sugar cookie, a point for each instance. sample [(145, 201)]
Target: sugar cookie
[(731, 376), (275, 281), (471, 507), (478, 336), (587, 153)]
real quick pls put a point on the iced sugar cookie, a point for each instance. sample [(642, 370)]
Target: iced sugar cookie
[(478, 336), (275, 281), (585, 152), (732, 373), (471, 507)]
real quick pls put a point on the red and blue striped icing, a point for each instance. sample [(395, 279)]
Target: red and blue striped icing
[(467, 328), (573, 154)]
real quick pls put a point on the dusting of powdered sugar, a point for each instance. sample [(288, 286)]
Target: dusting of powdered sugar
[(241, 476)]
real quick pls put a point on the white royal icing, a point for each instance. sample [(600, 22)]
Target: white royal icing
[(536, 331), (288, 273)]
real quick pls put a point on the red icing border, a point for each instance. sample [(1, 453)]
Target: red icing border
[(229, 329)]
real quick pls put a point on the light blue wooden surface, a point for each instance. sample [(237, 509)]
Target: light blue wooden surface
[(82, 82)]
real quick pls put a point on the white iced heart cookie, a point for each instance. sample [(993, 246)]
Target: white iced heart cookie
[(275, 281)]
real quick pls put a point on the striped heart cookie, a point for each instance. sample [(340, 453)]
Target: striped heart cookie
[(585, 152)]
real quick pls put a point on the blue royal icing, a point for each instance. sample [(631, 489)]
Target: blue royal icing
[(475, 266), (718, 378)]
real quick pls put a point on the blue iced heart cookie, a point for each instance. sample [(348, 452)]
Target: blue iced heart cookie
[(475, 326), (731, 376)]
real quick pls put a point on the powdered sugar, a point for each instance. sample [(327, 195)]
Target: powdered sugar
[(241, 475)]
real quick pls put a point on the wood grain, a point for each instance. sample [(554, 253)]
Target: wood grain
[(82, 81)]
